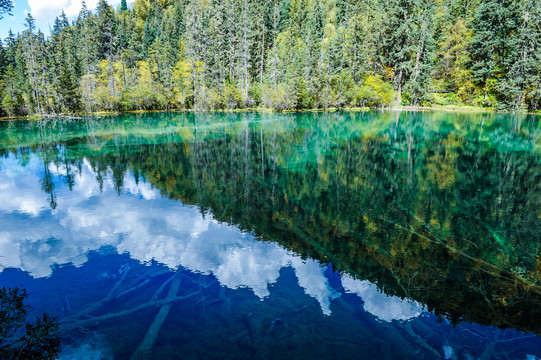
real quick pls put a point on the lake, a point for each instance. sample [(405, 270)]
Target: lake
[(373, 235)]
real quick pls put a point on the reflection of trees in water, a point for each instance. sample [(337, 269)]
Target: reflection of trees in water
[(23, 340), (445, 213), (47, 185), (434, 226)]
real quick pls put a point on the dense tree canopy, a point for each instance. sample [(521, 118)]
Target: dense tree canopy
[(280, 54)]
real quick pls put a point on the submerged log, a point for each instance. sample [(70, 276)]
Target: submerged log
[(124, 270), (144, 350), (73, 325)]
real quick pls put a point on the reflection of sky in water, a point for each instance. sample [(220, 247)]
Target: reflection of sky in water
[(33, 237), (145, 226)]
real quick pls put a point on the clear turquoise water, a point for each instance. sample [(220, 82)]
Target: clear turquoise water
[(376, 235)]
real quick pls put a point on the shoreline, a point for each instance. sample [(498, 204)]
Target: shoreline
[(448, 108)]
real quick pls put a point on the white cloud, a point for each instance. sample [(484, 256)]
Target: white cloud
[(384, 307), (313, 281), (46, 11)]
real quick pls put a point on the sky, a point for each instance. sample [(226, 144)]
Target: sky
[(44, 11)]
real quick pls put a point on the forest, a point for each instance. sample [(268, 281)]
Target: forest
[(277, 54)]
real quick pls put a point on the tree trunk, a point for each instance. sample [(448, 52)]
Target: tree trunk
[(399, 92)]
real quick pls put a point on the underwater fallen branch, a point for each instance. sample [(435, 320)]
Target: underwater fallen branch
[(202, 298), (140, 285), (487, 268), (90, 309), (94, 321), (145, 347), (419, 341), (163, 286), (278, 319)]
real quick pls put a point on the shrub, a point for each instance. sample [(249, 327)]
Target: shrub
[(374, 92), (232, 96), (279, 99), (255, 93), (303, 97)]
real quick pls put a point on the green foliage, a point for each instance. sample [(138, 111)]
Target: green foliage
[(278, 98), (255, 93), (37, 341), (231, 96), (374, 92), (303, 97)]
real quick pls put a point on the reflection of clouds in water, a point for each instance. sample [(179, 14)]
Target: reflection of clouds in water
[(148, 227), (314, 283), (26, 182), (384, 307)]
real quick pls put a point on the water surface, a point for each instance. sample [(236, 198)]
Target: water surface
[(388, 235)]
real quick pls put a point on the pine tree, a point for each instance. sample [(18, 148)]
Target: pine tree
[(32, 58), (153, 27), (105, 29), (12, 99), (5, 7), (397, 45), (87, 47), (494, 23), (520, 85)]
